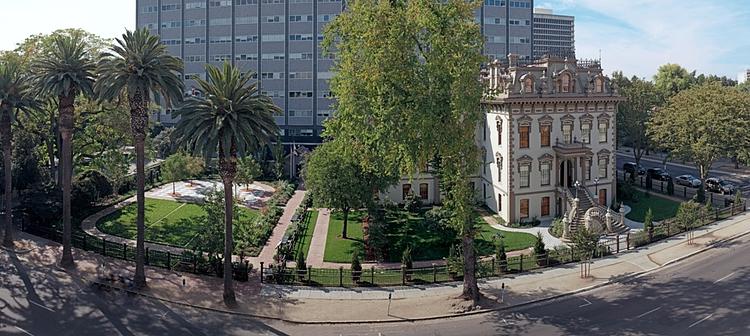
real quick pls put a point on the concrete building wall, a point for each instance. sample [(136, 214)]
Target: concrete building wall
[(553, 35)]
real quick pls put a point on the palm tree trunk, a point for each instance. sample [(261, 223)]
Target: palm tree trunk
[(138, 123), (228, 171), (140, 176), (66, 131), (7, 143)]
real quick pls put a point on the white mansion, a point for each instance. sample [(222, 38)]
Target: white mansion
[(548, 140)]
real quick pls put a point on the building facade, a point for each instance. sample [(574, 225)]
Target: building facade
[(548, 141), (742, 77), (280, 40), (553, 34)]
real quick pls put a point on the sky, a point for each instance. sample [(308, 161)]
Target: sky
[(635, 36)]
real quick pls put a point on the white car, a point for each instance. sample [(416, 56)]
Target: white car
[(688, 180)]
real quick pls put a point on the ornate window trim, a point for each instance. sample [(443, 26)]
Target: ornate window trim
[(528, 83), (499, 163), (499, 125), (524, 162)]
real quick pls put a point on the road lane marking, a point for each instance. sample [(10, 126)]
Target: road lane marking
[(724, 278), (701, 320), (24, 331), (588, 303), (40, 305), (648, 312)]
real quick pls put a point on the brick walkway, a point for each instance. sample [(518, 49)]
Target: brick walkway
[(318, 243), (266, 255)]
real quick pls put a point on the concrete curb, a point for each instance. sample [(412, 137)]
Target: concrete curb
[(443, 316)]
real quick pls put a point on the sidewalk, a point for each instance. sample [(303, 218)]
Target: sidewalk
[(302, 304)]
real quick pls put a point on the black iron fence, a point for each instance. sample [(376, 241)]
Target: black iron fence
[(487, 267), (191, 262)]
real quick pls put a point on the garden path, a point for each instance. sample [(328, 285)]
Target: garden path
[(550, 241), (266, 255), (318, 243)]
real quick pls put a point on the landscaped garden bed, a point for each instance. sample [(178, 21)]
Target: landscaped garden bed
[(429, 239)]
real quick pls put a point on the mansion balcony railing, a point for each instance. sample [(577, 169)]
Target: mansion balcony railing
[(572, 147)]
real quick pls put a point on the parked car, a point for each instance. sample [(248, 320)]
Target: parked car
[(632, 168), (718, 185), (658, 174), (688, 180)]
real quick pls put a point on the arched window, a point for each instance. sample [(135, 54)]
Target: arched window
[(528, 85), (598, 85), (565, 83)]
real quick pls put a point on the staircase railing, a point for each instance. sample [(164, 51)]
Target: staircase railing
[(602, 210)]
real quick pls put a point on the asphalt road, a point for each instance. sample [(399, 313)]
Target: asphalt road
[(706, 294), (740, 180)]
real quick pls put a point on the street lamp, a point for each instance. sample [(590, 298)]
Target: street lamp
[(577, 185)]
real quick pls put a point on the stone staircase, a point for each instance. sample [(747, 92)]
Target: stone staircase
[(586, 202)]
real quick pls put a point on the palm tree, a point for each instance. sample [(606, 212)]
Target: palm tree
[(65, 71), (139, 67), (233, 118), (15, 95)]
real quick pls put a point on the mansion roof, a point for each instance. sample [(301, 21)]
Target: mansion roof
[(551, 79)]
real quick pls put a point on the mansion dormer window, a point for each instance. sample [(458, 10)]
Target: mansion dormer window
[(598, 85), (528, 84), (565, 83)]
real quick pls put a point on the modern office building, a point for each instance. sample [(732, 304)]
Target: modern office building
[(280, 40), (554, 35), (742, 77)]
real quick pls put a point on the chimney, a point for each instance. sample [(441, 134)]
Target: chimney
[(512, 60)]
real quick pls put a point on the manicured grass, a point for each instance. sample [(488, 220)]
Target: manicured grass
[(662, 208), (410, 229), (339, 249), (167, 222), (310, 221)]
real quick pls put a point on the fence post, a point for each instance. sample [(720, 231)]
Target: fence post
[(261, 272), (546, 264), (403, 275), (684, 191), (309, 271), (627, 241), (618, 243), (104, 246), (341, 276), (717, 214), (147, 262), (124, 251), (169, 260), (434, 272), (372, 275), (520, 265), (493, 266)]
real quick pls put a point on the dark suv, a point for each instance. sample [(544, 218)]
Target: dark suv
[(718, 185), (658, 174), (632, 168)]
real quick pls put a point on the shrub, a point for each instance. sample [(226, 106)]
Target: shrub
[(557, 228), (640, 239), (648, 224), (502, 258), (540, 250), (301, 266), (454, 263), (670, 187), (406, 259), (356, 267), (412, 203)]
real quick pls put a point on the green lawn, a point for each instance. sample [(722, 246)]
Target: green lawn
[(410, 229), (337, 248), (662, 208), (310, 221), (167, 222)]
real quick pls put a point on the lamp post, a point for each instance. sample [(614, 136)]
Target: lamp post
[(596, 187), (577, 185)]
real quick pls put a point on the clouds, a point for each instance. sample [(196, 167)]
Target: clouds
[(637, 36), (107, 18)]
